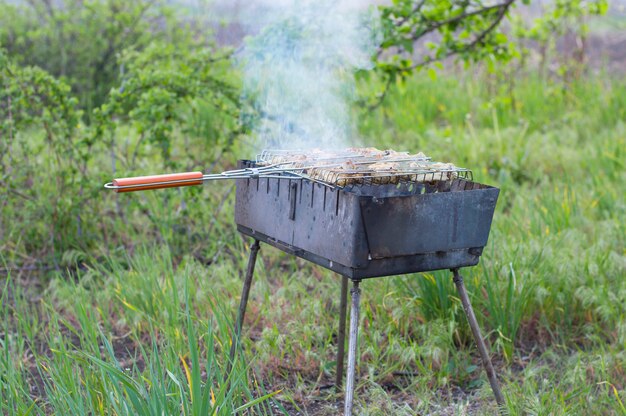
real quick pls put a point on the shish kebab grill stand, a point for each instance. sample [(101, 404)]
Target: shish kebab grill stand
[(362, 213)]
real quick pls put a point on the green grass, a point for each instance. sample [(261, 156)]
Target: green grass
[(141, 350), (140, 323)]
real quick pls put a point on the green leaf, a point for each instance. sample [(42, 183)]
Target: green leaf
[(256, 401), (432, 74)]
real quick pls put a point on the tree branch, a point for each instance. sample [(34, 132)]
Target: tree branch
[(502, 6), (429, 26), (471, 45)]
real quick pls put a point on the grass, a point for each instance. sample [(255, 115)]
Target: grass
[(138, 351), (141, 323)]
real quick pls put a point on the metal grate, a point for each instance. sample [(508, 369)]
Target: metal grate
[(425, 173), (360, 166), (349, 167), (318, 157)]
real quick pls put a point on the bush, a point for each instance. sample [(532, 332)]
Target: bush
[(52, 165), (80, 42)]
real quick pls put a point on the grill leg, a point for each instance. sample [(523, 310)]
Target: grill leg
[(480, 343), (352, 348), (341, 338), (243, 303)]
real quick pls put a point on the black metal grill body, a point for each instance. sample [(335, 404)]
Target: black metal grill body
[(364, 231)]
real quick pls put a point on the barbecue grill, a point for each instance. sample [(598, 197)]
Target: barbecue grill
[(362, 213)]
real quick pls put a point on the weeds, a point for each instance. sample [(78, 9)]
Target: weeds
[(506, 308), (169, 362)]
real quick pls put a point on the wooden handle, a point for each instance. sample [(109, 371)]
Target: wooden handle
[(141, 183)]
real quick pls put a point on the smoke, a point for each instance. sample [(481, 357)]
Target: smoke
[(299, 69)]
